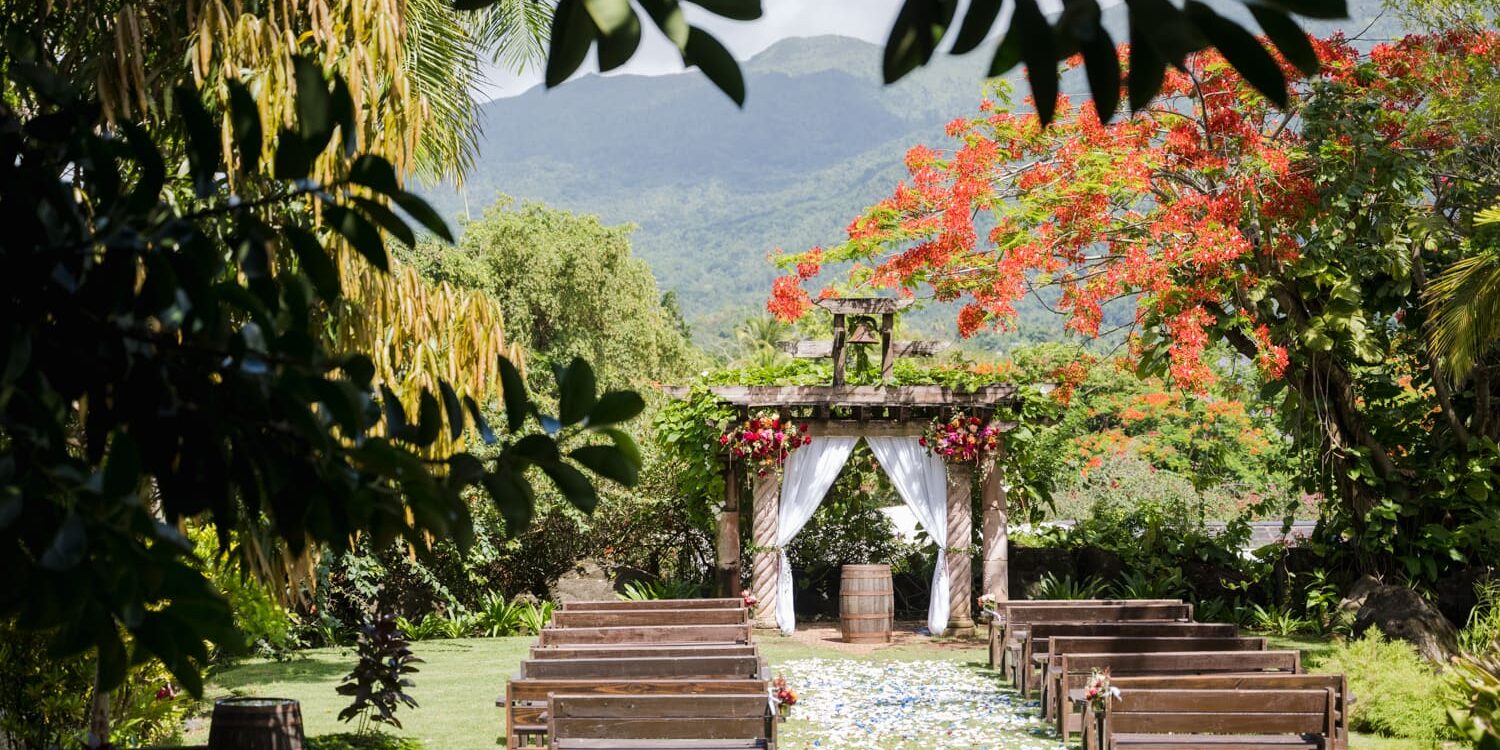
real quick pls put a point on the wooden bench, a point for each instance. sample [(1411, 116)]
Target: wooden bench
[(1073, 671), (1015, 617), (1047, 651), (601, 618), (634, 650), (1270, 681), (650, 604), (666, 667), (659, 722), (645, 634), (1034, 638), (524, 702), (1168, 719)]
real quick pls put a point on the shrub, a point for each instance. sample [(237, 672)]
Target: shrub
[(1397, 693), (497, 617), (1476, 673), (1067, 587), (533, 616), (379, 680), (364, 741), (639, 591), (44, 700)]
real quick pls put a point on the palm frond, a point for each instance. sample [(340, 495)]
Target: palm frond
[(1463, 305), (444, 53)]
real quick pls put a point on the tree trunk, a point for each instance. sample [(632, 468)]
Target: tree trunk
[(98, 738)]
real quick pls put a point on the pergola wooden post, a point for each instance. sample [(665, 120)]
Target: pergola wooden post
[(995, 530), (960, 563), (727, 545), (766, 558)]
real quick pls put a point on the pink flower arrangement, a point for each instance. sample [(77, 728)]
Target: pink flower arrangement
[(961, 439), (785, 696), (764, 441), (1098, 691), (749, 599)]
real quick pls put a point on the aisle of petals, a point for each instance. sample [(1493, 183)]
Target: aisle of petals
[(932, 705)]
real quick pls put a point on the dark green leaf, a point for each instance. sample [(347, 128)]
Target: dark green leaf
[(153, 172), (572, 34), (609, 462), (480, 423), (244, 116), (978, 21), (667, 15), (1290, 39), (429, 419), (395, 414), (1037, 49), (293, 160), (1328, 10), (387, 220), (513, 497), (576, 392), (710, 56), (421, 211), (375, 173), (122, 469), (915, 35), (616, 406), (536, 449), (361, 234), (739, 10), (1102, 64), (1164, 27), (314, 261), (453, 408), (360, 369), (616, 48), (1242, 51), (203, 141), (573, 485), (624, 442), (513, 389), (342, 103), (1147, 68), (314, 113), (68, 544), (465, 469)]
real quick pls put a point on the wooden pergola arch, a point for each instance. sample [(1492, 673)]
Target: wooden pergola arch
[(862, 411)]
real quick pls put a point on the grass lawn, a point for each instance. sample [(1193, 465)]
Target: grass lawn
[(460, 679)]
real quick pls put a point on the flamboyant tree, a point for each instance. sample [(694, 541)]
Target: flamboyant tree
[(1303, 238)]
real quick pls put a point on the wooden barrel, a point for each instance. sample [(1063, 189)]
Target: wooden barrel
[(256, 724), (866, 604)]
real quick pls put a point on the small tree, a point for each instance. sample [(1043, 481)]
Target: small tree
[(379, 680)]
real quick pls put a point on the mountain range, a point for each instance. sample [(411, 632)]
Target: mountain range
[(713, 189)]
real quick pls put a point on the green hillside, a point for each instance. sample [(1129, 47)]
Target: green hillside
[(713, 189)]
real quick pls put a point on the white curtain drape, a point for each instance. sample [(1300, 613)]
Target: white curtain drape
[(809, 473), (922, 480)]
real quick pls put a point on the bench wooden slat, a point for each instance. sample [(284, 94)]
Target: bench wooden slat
[(1189, 718), (650, 634), (649, 604), (1014, 615), (525, 700), (1022, 649), (624, 617), (648, 667), (581, 743), (689, 718), (1048, 650), (626, 651)]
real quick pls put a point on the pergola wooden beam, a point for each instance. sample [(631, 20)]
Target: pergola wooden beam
[(863, 305), (824, 349), (894, 396)]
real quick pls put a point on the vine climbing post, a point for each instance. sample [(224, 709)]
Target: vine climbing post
[(727, 569), (996, 533), (765, 508), (960, 566)]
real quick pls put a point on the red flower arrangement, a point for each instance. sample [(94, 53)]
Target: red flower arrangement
[(764, 441), (749, 599), (785, 696), (961, 439)]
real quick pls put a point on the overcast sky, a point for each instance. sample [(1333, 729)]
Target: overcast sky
[(865, 19)]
